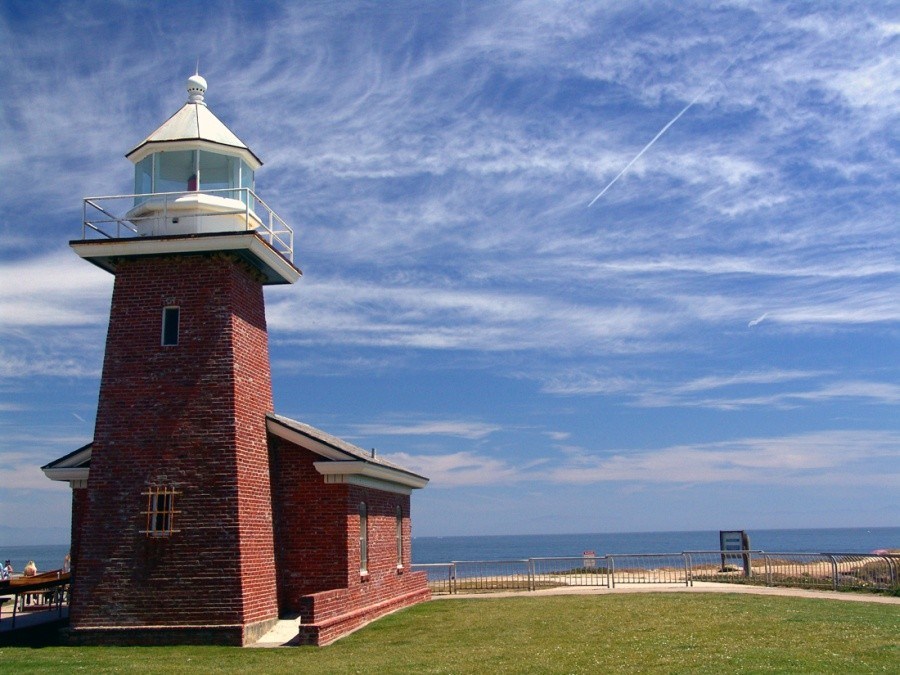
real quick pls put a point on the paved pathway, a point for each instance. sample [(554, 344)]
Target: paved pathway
[(698, 587)]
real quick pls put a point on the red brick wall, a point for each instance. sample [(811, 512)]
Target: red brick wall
[(79, 500), (190, 417), (317, 543), (382, 531), (310, 525)]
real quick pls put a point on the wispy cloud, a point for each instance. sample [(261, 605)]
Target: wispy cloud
[(459, 468), (55, 289), (864, 457), (456, 428)]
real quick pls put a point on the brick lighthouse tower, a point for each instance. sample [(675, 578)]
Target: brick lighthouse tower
[(175, 527), (198, 514)]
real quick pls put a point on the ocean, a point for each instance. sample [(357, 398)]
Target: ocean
[(517, 547)]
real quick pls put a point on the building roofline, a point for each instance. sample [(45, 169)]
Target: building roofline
[(71, 460), (341, 453)]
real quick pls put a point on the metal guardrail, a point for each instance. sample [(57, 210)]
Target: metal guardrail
[(574, 571), (107, 216), (835, 571)]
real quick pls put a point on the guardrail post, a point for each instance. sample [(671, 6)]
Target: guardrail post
[(688, 569), (451, 569), (611, 572), (768, 569), (531, 582), (834, 571)]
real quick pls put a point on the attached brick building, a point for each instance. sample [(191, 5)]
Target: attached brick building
[(199, 515)]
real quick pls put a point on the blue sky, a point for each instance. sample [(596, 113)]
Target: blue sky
[(712, 343)]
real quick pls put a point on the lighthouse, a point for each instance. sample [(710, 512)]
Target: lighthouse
[(199, 515)]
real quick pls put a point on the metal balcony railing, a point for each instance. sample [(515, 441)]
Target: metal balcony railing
[(159, 213)]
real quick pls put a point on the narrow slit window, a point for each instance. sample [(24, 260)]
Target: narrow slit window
[(160, 512), (171, 318), (399, 536), (363, 538)]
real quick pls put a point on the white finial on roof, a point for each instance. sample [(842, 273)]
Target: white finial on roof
[(196, 88)]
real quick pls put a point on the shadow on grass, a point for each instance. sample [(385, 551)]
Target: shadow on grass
[(48, 634)]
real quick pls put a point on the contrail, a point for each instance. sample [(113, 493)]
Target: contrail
[(676, 118), (647, 147)]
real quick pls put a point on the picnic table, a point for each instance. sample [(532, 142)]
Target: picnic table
[(47, 589)]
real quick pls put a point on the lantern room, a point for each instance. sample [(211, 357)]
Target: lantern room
[(194, 192), (193, 175)]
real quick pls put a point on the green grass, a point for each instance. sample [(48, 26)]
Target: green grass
[(562, 634)]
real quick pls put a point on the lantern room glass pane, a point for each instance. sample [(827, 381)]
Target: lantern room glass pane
[(218, 172), (143, 179), (175, 171)]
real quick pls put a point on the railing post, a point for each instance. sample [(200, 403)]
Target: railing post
[(611, 571), (452, 569), (688, 569), (834, 571), (768, 569)]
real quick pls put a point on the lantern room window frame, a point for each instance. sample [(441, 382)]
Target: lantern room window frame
[(160, 173)]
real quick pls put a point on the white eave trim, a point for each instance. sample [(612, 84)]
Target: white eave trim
[(72, 475), (359, 472)]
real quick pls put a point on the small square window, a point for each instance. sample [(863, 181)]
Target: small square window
[(160, 512), (170, 320)]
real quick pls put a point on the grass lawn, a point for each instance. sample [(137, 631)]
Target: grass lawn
[(560, 634)]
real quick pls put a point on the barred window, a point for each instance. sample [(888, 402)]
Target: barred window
[(363, 538), (160, 512)]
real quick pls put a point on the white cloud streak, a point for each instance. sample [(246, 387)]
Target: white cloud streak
[(453, 428), (863, 457)]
